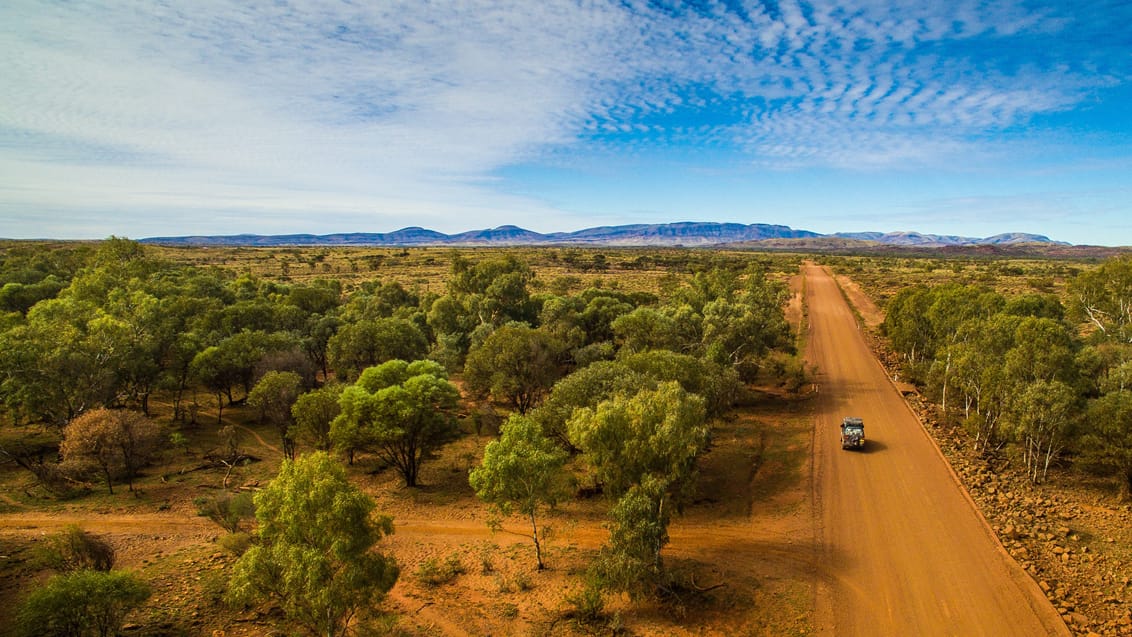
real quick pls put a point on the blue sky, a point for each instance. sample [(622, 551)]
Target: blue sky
[(143, 118)]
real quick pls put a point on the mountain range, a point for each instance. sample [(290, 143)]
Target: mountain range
[(688, 233)]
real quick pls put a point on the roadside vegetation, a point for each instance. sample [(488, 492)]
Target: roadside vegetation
[(601, 373), (1029, 357)]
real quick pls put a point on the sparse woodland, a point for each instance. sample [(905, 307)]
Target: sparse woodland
[(115, 351), (582, 373)]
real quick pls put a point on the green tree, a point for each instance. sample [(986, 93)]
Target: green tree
[(654, 432), (1043, 415), (272, 398), (378, 299), (638, 530), (314, 556), (516, 363), (316, 341), (366, 343), (1101, 296), (1108, 441), (971, 369), (643, 451), (494, 291), (232, 363), (81, 604), (116, 442), (61, 362), (404, 411), (319, 298), (560, 317), (602, 309), (521, 471), (717, 384), (585, 387), (905, 327), (1043, 350), (313, 412), (646, 328)]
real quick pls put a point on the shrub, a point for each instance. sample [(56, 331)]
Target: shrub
[(227, 510), (236, 543), (432, 572), (81, 604), (75, 550), (587, 604)]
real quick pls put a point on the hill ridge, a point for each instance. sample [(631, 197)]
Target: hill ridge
[(682, 233)]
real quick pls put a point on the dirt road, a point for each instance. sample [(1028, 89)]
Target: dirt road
[(902, 549)]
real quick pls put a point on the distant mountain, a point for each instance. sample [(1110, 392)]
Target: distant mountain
[(688, 233), (936, 240)]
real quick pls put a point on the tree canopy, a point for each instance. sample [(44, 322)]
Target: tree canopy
[(516, 363), (314, 556), (404, 411)]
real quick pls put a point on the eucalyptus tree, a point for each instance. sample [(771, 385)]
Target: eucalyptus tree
[(403, 411), (516, 363), (115, 442), (521, 471), (643, 450), (313, 412), (365, 343), (314, 552), (1102, 298), (272, 397), (1108, 437)]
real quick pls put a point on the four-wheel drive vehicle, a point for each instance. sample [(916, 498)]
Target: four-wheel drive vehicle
[(852, 433)]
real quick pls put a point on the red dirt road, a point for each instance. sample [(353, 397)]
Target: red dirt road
[(902, 549)]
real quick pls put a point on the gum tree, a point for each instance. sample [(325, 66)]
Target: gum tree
[(314, 556), (521, 472)]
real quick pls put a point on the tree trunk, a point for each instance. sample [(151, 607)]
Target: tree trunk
[(946, 374), (534, 536)]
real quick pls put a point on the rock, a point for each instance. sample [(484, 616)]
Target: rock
[(1063, 531), (1078, 619), (1046, 588), (1010, 532)]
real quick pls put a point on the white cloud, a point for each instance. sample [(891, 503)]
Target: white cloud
[(405, 106)]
